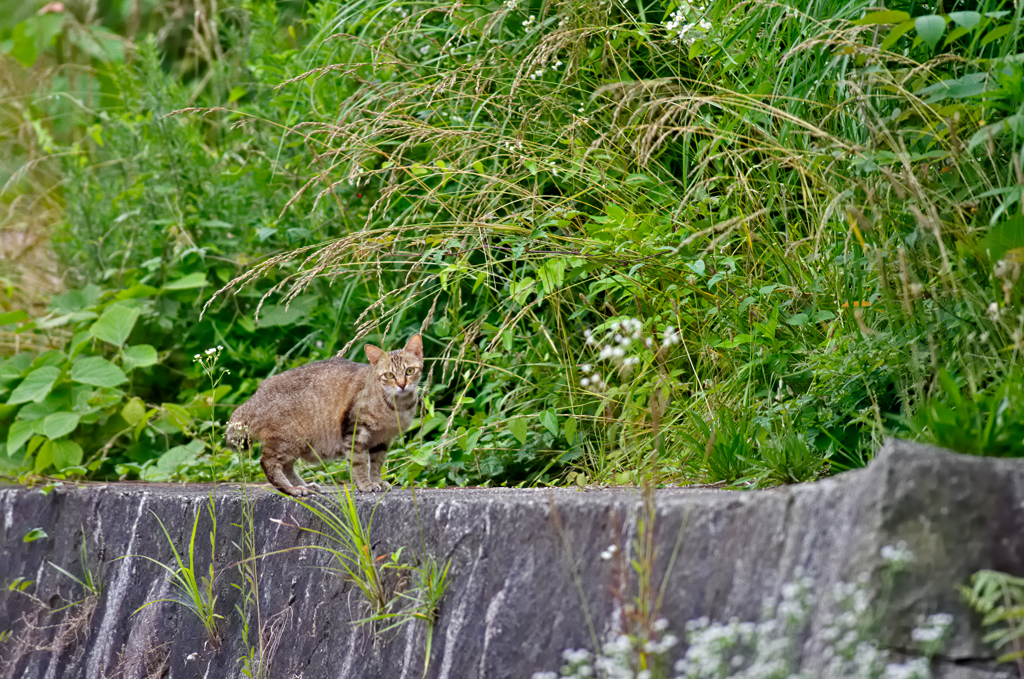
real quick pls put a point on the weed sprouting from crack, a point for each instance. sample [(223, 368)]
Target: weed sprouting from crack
[(195, 591)]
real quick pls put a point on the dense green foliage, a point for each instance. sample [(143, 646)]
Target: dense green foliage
[(735, 243)]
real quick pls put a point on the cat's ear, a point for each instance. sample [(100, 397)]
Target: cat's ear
[(414, 346), (373, 353)]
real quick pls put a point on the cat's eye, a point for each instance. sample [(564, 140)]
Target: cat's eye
[(389, 376), (410, 371)]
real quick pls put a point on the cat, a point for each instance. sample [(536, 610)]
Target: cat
[(326, 409)]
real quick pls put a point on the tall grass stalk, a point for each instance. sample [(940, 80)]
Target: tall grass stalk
[(195, 589)]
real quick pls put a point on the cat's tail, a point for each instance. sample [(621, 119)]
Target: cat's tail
[(237, 435)]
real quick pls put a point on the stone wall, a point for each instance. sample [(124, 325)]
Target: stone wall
[(527, 578)]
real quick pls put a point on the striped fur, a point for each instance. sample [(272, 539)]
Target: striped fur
[(327, 409)]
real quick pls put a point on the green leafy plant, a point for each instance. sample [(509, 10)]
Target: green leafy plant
[(350, 545), (999, 598), (989, 423), (89, 582), (59, 391), (788, 459), (727, 449)]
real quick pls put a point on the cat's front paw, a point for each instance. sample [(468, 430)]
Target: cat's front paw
[(373, 487)]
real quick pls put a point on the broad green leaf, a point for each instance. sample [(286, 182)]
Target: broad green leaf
[(550, 421), (615, 212), (175, 457), (955, 35), (895, 34), (966, 20), (471, 440), (35, 386), (59, 424), (35, 534), (552, 274), (115, 324), (24, 47), (98, 372), (1007, 235), (237, 93), (521, 289), (969, 85), (44, 456), (982, 136), (13, 317), (885, 17), (193, 280), (66, 453), (823, 315), (281, 315), (133, 411), (570, 430), (75, 300), (517, 425), (141, 424), (139, 290), (35, 441), (479, 167), (177, 416), (138, 356), (19, 432), (930, 28), (996, 34), (798, 319)]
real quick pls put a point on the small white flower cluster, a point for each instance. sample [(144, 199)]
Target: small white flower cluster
[(747, 649), (593, 379), (768, 649), (993, 312), (898, 555), (401, 11), (209, 354), (563, 22), (931, 634), (679, 24), (528, 24), (619, 339), (918, 668), (512, 5), (609, 553)]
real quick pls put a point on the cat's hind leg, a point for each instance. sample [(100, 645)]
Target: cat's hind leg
[(278, 462), (296, 480)]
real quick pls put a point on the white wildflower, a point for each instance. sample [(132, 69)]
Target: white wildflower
[(898, 554)]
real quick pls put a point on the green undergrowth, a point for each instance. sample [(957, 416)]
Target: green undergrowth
[(737, 243)]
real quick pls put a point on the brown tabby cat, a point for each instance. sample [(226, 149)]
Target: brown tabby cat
[(326, 409)]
